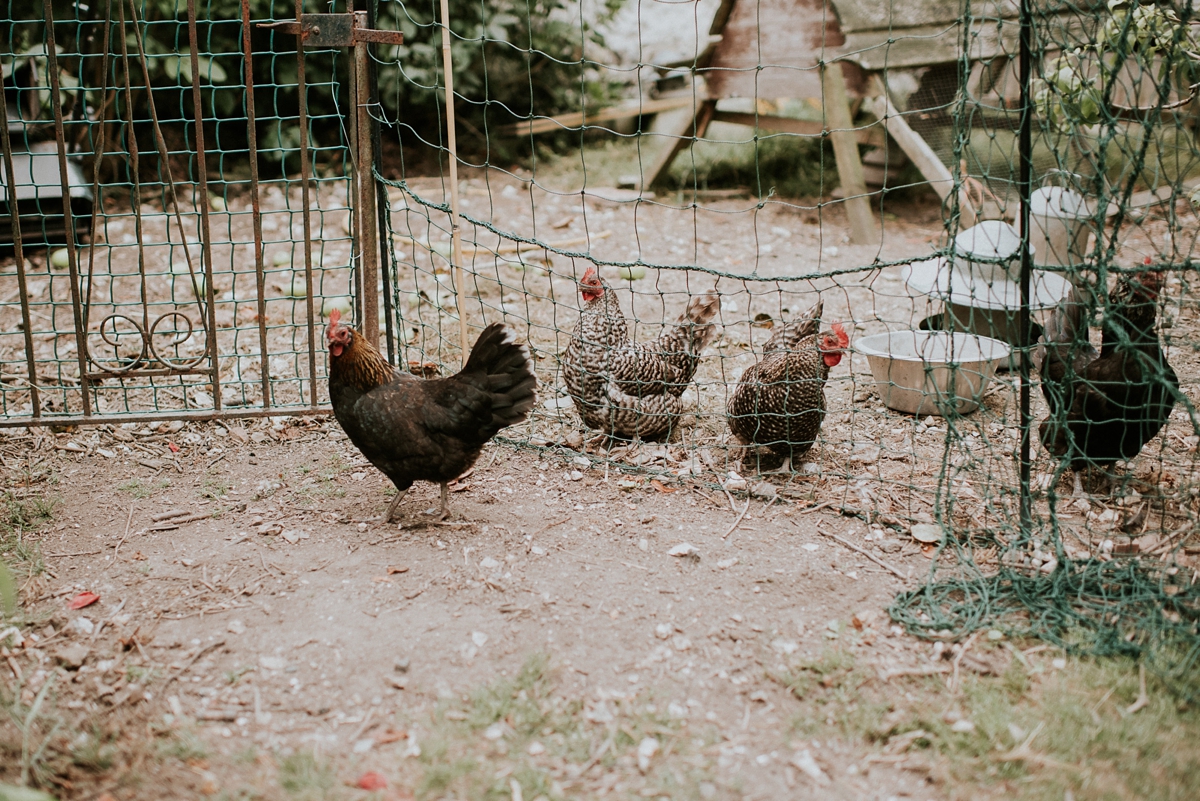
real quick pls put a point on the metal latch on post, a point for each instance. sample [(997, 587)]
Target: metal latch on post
[(334, 30)]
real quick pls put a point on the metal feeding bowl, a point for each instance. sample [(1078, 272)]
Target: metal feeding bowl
[(932, 372)]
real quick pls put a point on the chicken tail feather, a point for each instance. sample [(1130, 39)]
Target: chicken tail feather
[(698, 320), (787, 337), (504, 367)]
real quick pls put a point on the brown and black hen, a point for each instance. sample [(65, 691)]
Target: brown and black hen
[(414, 429), (1106, 405), (632, 389), (779, 402)]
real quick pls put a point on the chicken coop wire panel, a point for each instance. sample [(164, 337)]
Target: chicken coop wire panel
[(1105, 562), (141, 251), (556, 177)]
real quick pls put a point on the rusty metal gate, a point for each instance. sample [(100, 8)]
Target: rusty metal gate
[(180, 208)]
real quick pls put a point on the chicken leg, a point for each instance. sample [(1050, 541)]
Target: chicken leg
[(443, 509), (387, 516), (1079, 493)]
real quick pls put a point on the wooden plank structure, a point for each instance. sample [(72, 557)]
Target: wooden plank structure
[(830, 49), (842, 53)]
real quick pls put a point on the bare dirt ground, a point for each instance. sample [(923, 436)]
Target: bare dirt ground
[(258, 635), (283, 625)]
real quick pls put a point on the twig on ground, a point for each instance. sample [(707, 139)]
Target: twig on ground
[(923, 670), (596, 758), (745, 509), (818, 507), (549, 526), (1142, 699), (362, 728), (895, 571), (128, 520), (190, 662), (953, 684)]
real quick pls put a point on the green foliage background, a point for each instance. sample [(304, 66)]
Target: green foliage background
[(512, 59)]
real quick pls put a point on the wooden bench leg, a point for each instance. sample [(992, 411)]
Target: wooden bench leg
[(863, 230), (687, 132)]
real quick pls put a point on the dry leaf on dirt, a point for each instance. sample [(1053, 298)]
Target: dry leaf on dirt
[(371, 781), (390, 736), (658, 485), (83, 599), (392, 570)]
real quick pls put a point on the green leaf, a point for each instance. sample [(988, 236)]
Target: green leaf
[(9, 792), (178, 67), (8, 590)]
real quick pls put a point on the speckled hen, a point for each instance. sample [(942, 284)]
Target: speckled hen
[(632, 389), (780, 401)]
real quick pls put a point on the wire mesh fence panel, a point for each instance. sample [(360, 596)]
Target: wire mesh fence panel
[(609, 186), (184, 267)]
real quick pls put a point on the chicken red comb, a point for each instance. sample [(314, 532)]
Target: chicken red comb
[(843, 337), (590, 273), (335, 319)]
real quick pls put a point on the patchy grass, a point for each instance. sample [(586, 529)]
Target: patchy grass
[(1028, 731), (94, 750), (307, 778), (138, 489), (520, 730), (184, 745), (18, 518), (213, 487), (32, 726)]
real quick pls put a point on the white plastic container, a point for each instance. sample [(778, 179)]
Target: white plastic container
[(1058, 226), (987, 252), (932, 372)]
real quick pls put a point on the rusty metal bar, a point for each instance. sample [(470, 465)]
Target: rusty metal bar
[(456, 256), (68, 218), (97, 162), (205, 231), (131, 147), (354, 201), (305, 172), (259, 270), (164, 158), (19, 255), (152, 417), (381, 201), (366, 189), (365, 35)]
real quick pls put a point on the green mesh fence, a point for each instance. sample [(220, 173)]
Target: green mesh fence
[(683, 148)]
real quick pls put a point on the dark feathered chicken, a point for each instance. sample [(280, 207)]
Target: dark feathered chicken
[(626, 388), (780, 401), (414, 429), (1106, 405)]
